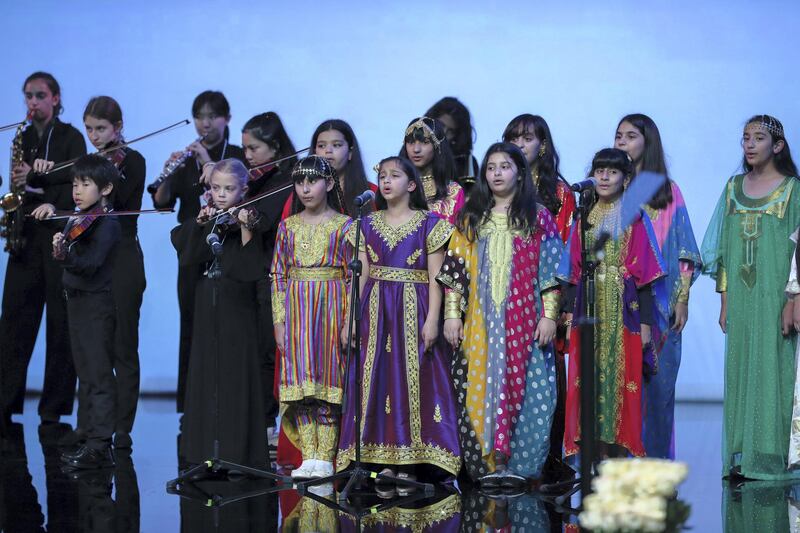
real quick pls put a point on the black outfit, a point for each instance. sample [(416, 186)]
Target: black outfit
[(467, 171), (88, 270), (225, 350), (33, 280), (184, 185), (269, 210)]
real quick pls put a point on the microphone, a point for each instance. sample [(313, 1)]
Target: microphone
[(213, 241), (588, 183), (364, 198)]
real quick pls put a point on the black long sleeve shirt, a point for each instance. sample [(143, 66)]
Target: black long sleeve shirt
[(59, 142), (89, 262), (184, 184)]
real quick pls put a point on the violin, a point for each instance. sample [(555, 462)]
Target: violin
[(115, 155), (77, 226)]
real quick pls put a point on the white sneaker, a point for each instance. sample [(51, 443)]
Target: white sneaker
[(322, 469), (305, 470)]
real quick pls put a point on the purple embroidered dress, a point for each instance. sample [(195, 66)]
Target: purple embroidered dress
[(408, 400)]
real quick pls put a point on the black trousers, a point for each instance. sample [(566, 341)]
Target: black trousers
[(33, 280), (267, 348), (91, 328), (128, 287), (188, 277)]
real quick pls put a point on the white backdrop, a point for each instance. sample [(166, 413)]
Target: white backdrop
[(698, 70)]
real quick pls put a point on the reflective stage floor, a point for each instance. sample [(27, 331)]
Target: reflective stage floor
[(35, 495)]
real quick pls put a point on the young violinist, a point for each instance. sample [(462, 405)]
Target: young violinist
[(264, 140), (211, 113), (225, 348), (33, 278), (86, 250), (102, 120)]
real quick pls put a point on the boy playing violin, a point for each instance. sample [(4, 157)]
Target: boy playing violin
[(86, 250)]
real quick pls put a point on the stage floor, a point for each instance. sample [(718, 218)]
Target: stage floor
[(37, 496)]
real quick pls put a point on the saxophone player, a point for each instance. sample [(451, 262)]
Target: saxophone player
[(33, 278)]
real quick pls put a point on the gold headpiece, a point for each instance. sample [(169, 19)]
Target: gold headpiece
[(771, 124), (427, 131), (327, 170)]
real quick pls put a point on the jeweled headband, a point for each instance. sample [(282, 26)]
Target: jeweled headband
[(327, 171), (771, 124), (427, 131)]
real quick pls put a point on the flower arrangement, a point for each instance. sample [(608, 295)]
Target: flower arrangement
[(636, 495)]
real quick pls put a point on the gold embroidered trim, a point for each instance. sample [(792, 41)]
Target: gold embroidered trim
[(389, 343), (407, 275), (417, 520), (413, 257), (388, 407), (308, 439), (315, 273), (438, 236), (391, 235), (327, 439), (278, 307), (428, 186), (632, 386), (373, 257), (412, 362), (297, 392), (437, 414), (372, 346), (402, 455), (311, 240)]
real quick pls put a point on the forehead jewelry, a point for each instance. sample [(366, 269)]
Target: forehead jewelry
[(427, 131), (326, 173), (771, 125)]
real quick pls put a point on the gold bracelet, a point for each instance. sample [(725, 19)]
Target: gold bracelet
[(551, 302), (452, 305), (722, 279), (683, 292)]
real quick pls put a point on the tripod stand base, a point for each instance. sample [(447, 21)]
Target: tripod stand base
[(214, 466), (358, 474)]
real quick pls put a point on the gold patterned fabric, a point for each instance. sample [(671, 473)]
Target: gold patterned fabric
[(407, 275), (315, 273)]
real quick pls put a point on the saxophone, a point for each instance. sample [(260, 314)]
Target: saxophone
[(13, 216)]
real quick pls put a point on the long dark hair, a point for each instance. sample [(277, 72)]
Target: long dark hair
[(462, 142), (783, 160), (355, 179), (522, 211), (52, 84), (268, 128), (416, 198), (317, 167), (546, 164), (442, 166), (653, 159), (218, 104)]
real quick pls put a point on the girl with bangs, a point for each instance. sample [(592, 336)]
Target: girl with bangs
[(309, 293), (630, 308)]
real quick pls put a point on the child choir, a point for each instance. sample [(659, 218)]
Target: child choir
[(471, 281)]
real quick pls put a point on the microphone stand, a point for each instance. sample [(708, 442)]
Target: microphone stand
[(358, 473), (213, 465), (587, 323)]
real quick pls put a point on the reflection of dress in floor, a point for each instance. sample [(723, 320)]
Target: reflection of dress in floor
[(226, 336), (408, 409), (436, 514), (792, 290)]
